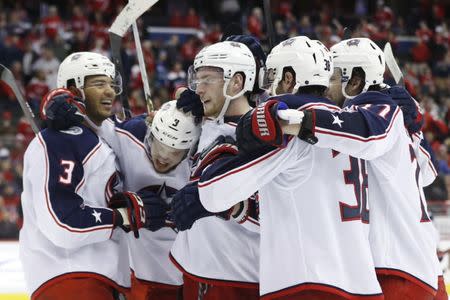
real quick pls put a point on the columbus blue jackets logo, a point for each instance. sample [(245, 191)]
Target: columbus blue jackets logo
[(234, 44), (164, 191), (354, 42), (75, 57), (288, 42)]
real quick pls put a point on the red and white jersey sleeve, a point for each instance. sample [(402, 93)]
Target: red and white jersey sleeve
[(313, 207), (214, 250), (67, 225)]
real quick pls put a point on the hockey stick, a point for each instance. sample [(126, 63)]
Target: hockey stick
[(269, 23), (392, 64), (143, 69), (8, 78), (133, 10)]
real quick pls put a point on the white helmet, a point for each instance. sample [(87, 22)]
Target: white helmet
[(359, 52), (174, 128), (77, 66), (231, 57), (310, 60)]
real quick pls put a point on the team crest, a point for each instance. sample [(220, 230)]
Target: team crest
[(288, 42), (354, 42), (234, 44), (75, 57), (74, 130)]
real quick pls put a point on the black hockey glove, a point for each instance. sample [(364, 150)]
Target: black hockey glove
[(412, 117), (190, 101), (60, 109)]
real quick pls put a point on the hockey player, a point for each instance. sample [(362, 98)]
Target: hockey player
[(313, 204), (70, 244), (401, 234), (219, 257), (154, 159)]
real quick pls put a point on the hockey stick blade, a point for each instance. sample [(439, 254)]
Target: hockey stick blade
[(133, 10), (392, 64), (8, 78)]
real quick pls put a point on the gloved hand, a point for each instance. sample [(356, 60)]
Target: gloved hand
[(61, 109), (156, 210), (129, 211), (144, 209), (187, 208), (260, 129), (190, 101), (412, 117)]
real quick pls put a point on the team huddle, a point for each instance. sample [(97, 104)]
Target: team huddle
[(298, 175)]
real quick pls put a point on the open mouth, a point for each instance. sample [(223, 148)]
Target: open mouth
[(106, 103)]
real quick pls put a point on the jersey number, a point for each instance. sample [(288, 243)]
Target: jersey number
[(68, 166), (356, 176)]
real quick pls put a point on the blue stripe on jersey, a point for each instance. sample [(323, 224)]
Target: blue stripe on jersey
[(367, 115), (136, 126), (66, 153)]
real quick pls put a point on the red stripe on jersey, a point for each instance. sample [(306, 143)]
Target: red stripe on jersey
[(85, 160), (74, 275), (358, 138), (212, 281), (237, 170), (47, 199), (407, 276), (307, 286)]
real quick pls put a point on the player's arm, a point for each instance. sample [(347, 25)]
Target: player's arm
[(229, 180), (64, 217)]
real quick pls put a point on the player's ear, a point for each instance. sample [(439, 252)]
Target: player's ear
[(288, 82), (237, 83)]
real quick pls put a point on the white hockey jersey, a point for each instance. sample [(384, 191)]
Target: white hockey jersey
[(216, 251), (313, 210), (401, 235), (67, 228), (149, 255)]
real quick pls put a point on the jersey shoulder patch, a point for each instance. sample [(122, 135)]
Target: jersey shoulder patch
[(79, 140)]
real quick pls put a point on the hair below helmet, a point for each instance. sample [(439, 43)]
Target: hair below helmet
[(174, 128), (310, 60), (79, 65), (363, 53)]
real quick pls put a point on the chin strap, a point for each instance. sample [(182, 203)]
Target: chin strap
[(220, 117)]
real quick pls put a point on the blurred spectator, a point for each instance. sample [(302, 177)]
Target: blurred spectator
[(254, 23), (52, 24), (36, 89), (48, 63)]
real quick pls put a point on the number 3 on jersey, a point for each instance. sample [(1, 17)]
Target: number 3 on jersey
[(356, 176), (66, 177)]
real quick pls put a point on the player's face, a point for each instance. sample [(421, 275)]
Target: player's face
[(210, 90), (165, 158), (99, 96), (334, 91)]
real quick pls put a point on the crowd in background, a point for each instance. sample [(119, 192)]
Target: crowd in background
[(36, 36)]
